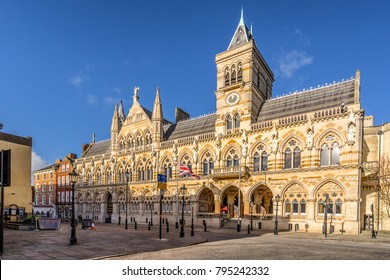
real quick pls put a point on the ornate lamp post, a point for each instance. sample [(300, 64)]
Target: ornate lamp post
[(183, 192), (326, 215), (251, 205), (127, 196), (277, 199), (73, 176), (192, 220)]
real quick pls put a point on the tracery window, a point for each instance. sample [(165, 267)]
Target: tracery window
[(330, 151), (292, 155), (208, 164), (236, 121)]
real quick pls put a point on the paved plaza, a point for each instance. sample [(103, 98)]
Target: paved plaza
[(112, 241)]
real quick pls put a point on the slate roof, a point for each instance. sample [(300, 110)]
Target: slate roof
[(308, 101), (191, 127), (48, 167), (99, 148)]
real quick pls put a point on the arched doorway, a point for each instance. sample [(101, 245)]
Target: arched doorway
[(261, 201), (230, 203), (109, 208), (206, 201)]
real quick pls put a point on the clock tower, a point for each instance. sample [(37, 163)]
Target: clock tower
[(244, 82)]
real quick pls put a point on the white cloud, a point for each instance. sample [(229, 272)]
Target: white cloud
[(77, 80), (37, 162), (92, 99), (293, 61), (109, 100), (117, 90)]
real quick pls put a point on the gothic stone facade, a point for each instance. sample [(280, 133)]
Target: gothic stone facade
[(300, 147)]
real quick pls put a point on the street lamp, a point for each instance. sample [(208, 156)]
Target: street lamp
[(127, 195), (73, 176), (192, 220), (183, 192), (277, 199), (380, 133), (251, 205), (326, 215), (151, 213)]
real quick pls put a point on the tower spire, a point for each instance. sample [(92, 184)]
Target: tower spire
[(242, 35)]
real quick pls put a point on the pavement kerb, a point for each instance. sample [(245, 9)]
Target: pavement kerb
[(134, 253)]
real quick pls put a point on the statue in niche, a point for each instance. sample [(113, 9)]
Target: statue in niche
[(195, 148), (351, 134), (244, 146), (218, 146), (309, 139)]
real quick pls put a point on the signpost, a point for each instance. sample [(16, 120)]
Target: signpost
[(162, 185)]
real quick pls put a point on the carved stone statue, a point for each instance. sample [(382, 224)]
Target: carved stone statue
[(309, 139)]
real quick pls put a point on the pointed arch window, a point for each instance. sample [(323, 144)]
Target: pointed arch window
[(236, 161), (320, 206), (295, 207), (229, 123), (303, 206), (236, 121), (287, 205), (287, 159), (227, 77), (168, 170), (229, 161), (256, 162), (233, 78), (264, 161), (297, 158), (324, 156), (335, 156), (239, 73), (339, 206)]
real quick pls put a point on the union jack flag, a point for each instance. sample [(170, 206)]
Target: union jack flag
[(185, 171)]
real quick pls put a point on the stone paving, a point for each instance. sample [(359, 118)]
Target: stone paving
[(112, 240)]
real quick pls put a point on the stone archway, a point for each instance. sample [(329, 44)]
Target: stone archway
[(206, 201), (229, 202), (261, 201)]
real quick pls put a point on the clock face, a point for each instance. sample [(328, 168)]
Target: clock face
[(232, 98)]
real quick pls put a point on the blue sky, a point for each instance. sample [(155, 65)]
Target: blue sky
[(64, 64)]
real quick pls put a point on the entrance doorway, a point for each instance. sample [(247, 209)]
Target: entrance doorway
[(109, 208), (230, 203)]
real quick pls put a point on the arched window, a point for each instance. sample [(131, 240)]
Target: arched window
[(295, 207), (233, 78), (339, 206), (320, 206), (324, 156), (297, 158), (303, 206), (287, 159), (236, 161), (229, 161), (205, 167), (236, 121), (288, 206), (227, 77), (335, 156), (239, 73), (264, 161), (168, 170), (256, 162), (229, 124)]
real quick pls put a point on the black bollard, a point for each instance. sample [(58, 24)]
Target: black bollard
[(177, 225), (167, 227), (146, 220), (135, 224), (205, 225), (249, 229), (163, 221), (149, 226)]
